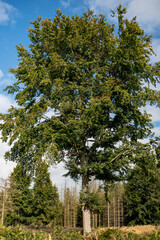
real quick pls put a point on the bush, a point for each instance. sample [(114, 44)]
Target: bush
[(16, 233)]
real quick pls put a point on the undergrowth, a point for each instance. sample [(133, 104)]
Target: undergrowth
[(16, 233)]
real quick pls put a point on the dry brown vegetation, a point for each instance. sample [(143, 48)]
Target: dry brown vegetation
[(141, 229)]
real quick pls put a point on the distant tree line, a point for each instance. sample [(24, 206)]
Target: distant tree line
[(35, 201)]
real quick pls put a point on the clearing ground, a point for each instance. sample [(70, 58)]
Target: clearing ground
[(144, 229)]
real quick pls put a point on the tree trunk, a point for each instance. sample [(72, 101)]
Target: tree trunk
[(114, 211), (99, 220), (118, 211), (108, 216), (86, 212), (86, 221), (95, 220)]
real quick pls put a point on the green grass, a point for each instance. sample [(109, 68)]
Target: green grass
[(15, 233)]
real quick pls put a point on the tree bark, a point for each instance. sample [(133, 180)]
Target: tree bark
[(118, 212), (86, 221), (108, 216), (85, 211), (114, 210)]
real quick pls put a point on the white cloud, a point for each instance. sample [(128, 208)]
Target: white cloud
[(6, 168), (156, 130), (154, 111), (7, 13), (65, 4), (103, 5), (156, 47), (5, 103), (58, 179), (147, 11), (56, 174), (7, 79), (5, 82)]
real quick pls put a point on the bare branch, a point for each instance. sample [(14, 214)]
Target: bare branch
[(121, 154)]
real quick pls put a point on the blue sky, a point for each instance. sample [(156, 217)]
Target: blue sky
[(15, 17)]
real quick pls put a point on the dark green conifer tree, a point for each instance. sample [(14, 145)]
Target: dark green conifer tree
[(19, 197), (46, 205), (142, 190)]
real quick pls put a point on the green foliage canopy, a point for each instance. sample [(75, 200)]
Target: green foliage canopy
[(79, 90)]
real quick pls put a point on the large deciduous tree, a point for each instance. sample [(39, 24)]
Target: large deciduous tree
[(80, 86)]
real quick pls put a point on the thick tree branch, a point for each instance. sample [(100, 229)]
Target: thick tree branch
[(121, 154)]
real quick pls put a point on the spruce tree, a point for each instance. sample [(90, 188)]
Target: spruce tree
[(19, 197), (142, 189), (46, 205)]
